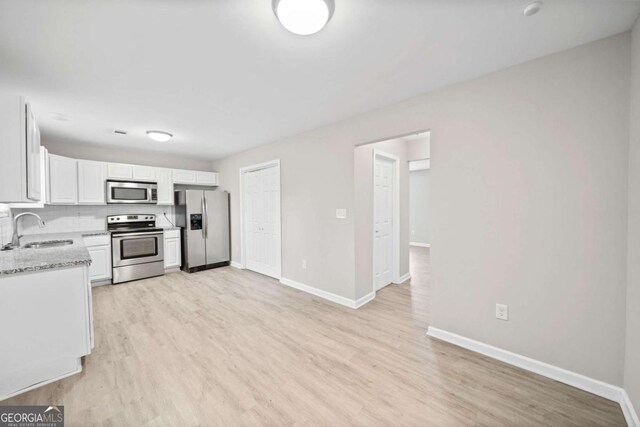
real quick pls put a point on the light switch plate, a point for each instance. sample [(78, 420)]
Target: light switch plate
[(341, 213)]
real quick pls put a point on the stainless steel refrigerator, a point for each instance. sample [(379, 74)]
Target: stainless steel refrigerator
[(204, 218)]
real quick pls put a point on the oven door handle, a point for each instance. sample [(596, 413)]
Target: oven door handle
[(120, 236)]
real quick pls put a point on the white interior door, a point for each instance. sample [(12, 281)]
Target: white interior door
[(261, 206), (383, 222)]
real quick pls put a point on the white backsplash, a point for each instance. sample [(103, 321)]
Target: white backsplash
[(83, 218)]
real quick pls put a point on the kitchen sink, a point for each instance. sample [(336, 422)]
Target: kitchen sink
[(47, 244)]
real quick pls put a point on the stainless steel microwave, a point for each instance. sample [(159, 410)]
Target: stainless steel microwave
[(132, 192)]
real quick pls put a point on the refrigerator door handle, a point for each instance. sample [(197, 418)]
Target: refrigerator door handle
[(204, 217)]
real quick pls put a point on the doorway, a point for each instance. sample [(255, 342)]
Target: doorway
[(386, 207), (260, 218)]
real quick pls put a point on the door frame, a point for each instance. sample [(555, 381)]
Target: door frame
[(395, 272), (243, 170)]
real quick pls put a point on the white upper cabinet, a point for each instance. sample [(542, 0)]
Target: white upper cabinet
[(119, 171), (20, 168), (181, 176), (91, 182), (144, 173), (165, 186), (63, 180), (206, 178), (34, 171)]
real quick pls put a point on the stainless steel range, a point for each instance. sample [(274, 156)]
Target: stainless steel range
[(137, 247)]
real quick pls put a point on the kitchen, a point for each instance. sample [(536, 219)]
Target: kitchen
[(74, 224), (206, 213)]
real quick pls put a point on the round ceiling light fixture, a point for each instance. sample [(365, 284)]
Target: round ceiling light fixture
[(303, 17), (158, 135), (532, 8)]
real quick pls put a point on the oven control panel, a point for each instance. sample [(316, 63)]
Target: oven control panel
[(195, 222)]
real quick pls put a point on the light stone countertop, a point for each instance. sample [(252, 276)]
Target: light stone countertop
[(24, 260)]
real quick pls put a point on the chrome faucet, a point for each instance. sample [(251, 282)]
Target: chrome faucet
[(15, 240)]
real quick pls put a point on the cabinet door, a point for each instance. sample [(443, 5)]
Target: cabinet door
[(165, 186), (172, 257), (100, 268), (207, 178), (119, 171), (144, 173), (91, 182), (181, 176), (63, 180), (33, 157)]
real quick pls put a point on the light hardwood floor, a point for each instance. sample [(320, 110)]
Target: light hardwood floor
[(230, 347)]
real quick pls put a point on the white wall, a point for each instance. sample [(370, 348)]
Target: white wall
[(419, 209), (419, 149), (89, 151), (529, 175), (316, 179), (632, 359)]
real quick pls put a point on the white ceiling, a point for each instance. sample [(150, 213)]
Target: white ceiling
[(224, 76)]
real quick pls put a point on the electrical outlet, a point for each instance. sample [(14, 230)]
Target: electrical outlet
[(502, 311), (341, 213), (304, 263)]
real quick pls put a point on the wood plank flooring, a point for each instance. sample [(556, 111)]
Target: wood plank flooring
[(230, 347)]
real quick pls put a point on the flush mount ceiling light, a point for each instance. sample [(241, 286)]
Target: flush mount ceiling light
[(158, 135), (532, 8), (303, 17)]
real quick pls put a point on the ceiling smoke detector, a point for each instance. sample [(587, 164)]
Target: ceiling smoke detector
[(532, 8)]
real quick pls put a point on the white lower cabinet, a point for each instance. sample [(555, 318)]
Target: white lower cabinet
[(99, 248), (46, 322), (172, 248)]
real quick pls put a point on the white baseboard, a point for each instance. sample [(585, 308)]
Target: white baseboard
[(628, 410), (365, 299), (420, 245), (582, 382), (236, 264), (338, 299), (403, 279)]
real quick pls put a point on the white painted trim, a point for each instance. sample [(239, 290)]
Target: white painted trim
[(103, 282), (420, 245), (630, 414), (403, 279), (338, 299), (236, 264), (396, 215), (365, 299), (264, 165), (582, 382)]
